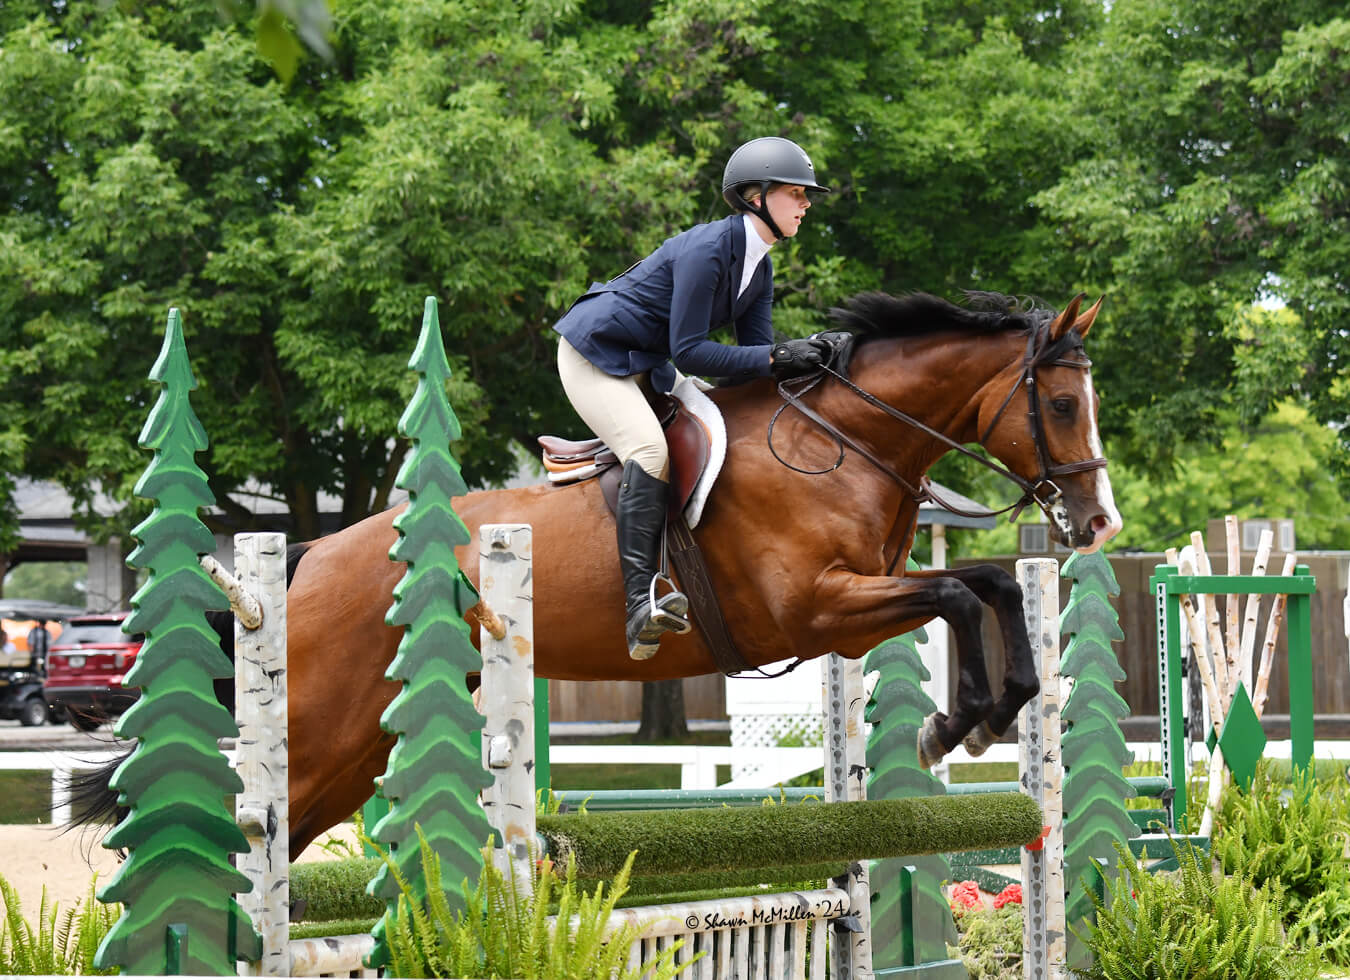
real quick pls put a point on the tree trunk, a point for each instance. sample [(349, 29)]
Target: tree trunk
[(662, 712)]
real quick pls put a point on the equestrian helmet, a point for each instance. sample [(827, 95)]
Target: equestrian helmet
[(764, 161)]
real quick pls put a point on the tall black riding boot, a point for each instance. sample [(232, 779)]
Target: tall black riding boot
[(641, 517)]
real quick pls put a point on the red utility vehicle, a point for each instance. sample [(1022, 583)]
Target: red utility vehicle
[(85, 667)]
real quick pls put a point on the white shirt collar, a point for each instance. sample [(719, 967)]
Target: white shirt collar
[(755, 250)]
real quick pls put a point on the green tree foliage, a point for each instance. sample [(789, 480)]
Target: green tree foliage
[(1279, 467), (1186, 159), (154, 160), (54, 581), (1215, 178)]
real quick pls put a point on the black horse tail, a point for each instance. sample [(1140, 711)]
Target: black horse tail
[(93, 801)]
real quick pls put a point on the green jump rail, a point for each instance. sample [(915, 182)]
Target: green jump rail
[(674, 842), (699, 850)]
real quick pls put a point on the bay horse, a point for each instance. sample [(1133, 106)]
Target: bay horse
[(806, 521)]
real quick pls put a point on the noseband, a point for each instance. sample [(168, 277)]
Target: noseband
[(1042, 491)]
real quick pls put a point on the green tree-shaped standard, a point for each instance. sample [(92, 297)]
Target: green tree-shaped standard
[(435, 770), (177, 885), (1093, 747), (911, 920)]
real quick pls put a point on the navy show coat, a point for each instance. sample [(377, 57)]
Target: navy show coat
[(664, 307)]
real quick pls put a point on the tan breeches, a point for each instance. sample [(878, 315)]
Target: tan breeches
[(615, 409)]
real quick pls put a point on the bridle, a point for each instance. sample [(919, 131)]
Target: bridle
[(1042, 491)]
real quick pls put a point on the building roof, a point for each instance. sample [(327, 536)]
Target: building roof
[(37, 609)]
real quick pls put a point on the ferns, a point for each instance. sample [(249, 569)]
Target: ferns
[(1191, 924), (1293, 840), (505, 930), (62, 943)]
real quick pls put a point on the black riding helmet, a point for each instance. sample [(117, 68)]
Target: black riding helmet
[(761, 163)]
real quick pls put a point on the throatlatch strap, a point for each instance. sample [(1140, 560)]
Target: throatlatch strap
[(692, 571)]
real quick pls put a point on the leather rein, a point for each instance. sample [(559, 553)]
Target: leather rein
[(1042, 491)]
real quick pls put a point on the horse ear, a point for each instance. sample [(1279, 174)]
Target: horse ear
[(1084, 322), (1061, 324)]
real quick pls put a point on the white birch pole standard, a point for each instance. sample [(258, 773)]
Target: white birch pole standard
[(1208, 640), (1233, 635), (1272, 634), (1044, 946), (1216, 646), (262, 809), (1204, 661), (1252, 611), (506, 585), (846, 779)]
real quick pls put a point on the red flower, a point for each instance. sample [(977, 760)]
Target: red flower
[(1013, 893), (965, 895)]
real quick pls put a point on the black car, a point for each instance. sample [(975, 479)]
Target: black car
[(22, 675), (22, 696)]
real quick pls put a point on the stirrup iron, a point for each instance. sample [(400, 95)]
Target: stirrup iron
[(670, 611)]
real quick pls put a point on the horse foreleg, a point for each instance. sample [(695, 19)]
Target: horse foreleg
[(877, 608), (999, 591)]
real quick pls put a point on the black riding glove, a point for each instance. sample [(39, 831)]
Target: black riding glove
[(792, 358)]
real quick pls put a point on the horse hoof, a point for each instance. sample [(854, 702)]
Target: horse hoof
[(930, 746), (979, 739)]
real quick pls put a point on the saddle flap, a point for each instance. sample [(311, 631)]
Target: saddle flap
[(689, 447)]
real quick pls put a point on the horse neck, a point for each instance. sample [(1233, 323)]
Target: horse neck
[(941, 380)]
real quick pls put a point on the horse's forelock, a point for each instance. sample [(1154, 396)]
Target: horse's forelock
[(1070, 343)]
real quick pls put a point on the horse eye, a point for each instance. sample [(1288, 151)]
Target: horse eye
[(1062, 406)]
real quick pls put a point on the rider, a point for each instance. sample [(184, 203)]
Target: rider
[(623, 335)]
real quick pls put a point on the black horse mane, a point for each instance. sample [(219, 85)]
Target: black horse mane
[(870, 316)]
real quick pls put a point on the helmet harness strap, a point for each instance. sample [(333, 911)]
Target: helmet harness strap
[(762, 211)]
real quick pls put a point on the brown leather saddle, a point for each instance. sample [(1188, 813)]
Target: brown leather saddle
[(569, 462)]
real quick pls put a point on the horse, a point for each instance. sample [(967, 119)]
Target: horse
[(805, 535)]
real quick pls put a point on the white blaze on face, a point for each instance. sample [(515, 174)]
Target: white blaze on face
[(1102, 491)]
